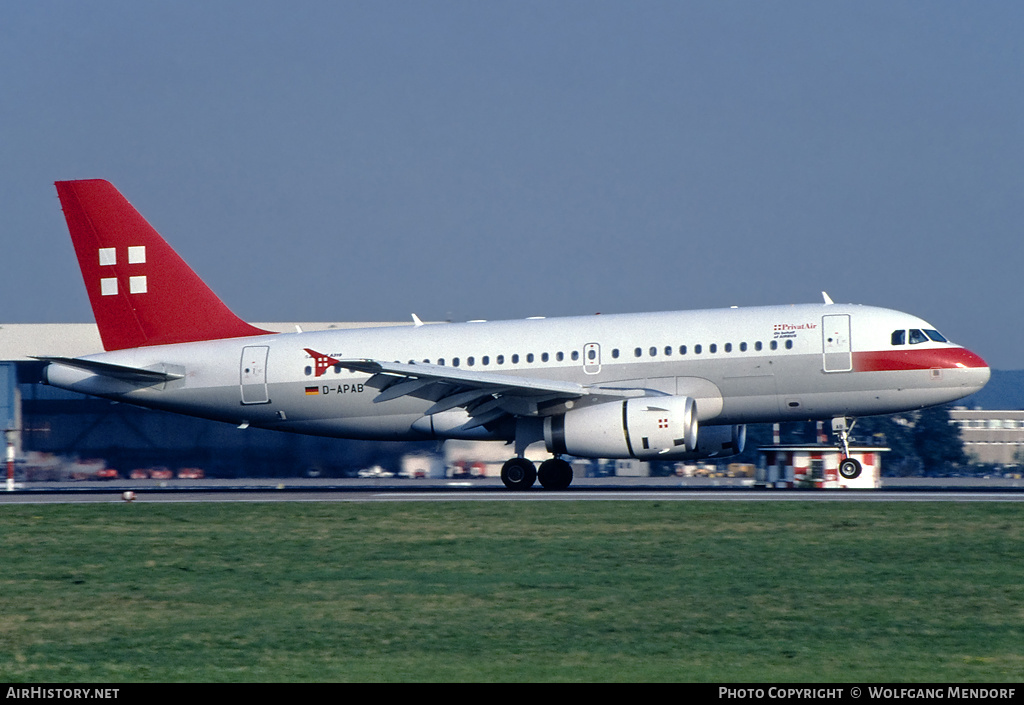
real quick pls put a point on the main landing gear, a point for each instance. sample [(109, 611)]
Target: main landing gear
[(849, 468), (520, 474)]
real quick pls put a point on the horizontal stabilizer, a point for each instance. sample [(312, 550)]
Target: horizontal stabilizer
[(121, 372)]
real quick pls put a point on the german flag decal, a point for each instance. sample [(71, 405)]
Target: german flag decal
[(312, 390)]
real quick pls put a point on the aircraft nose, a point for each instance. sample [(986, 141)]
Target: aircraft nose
[(976, 371)]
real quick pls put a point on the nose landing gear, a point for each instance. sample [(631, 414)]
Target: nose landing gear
[(849, 468)]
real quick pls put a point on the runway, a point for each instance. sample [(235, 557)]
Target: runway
[(491, 490)]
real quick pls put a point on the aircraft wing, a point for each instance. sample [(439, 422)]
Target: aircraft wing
[(487, 396)]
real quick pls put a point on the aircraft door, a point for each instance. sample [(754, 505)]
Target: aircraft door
[(253, 374), (835, 338), (591, 358)]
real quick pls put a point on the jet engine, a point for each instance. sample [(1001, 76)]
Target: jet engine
[(648, 428), (719, 442)]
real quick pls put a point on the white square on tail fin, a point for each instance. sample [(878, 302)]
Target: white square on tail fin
[(108, 256), (137, 285), (137, 255), (108, 287)]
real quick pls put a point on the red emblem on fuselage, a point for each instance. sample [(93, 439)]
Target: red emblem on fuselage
[(323, 362)]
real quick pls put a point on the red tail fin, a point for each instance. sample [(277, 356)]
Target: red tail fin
[(142, 292)]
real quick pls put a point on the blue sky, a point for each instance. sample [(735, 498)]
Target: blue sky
[(462, 160)]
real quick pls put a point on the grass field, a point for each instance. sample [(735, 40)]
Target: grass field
[(554, 591)]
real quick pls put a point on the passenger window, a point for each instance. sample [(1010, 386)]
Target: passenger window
[(615, 353), (529, 357), (697, 349), (899, 337), (501, 359), (774, 345), (682, 349), (728, 347), (917, 336), (668, 349), (638, 352), (713, 348), (515, 359)]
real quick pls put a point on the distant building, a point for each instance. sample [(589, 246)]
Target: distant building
[(991, 437)]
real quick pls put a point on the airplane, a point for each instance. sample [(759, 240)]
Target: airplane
[(653, 386)]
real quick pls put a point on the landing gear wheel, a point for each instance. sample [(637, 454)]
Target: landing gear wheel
[(518, 474), (849, 468), (555, 474)]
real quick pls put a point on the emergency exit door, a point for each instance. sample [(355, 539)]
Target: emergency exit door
[(835, 338), (592, 358)]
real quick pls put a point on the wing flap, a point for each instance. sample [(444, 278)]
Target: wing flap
[(464, 399)]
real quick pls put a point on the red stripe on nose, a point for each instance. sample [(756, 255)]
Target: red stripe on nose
[(910, 359)]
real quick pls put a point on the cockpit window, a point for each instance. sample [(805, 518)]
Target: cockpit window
[(899, 337), (917, 336)]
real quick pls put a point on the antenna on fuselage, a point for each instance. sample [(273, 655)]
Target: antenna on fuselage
[(828, 299)]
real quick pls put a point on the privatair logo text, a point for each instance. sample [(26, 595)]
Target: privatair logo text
[(789, 330)]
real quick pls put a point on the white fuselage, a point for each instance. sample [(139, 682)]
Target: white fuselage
[(740, 365)]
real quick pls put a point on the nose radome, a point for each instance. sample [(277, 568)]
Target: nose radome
[(977, 371)]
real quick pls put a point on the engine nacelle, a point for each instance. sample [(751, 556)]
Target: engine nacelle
[(648, 428), (718, 442)]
